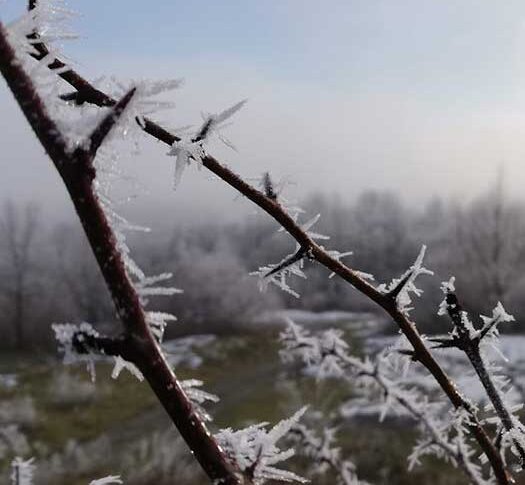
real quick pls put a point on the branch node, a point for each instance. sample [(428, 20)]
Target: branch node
[(102, 130)]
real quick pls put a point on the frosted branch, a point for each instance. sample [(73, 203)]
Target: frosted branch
[(326, 356), (465, 337), (255, 451)]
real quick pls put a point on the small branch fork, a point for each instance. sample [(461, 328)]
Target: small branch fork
[(137, 344), (87, 93), (470, 345)]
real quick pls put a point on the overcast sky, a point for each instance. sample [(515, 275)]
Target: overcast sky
[(420, 97)]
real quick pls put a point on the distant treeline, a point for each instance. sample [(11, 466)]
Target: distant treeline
[(49, 275)]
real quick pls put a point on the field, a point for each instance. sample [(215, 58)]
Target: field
[(77, 430)]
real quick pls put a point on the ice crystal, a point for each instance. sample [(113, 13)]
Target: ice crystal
[(198, 397), (255, 451), (405, 284), (111, 479), (121, 364), (65, 333), (291, 265), (385, 377), (322, 453), (22, 471), (192, 147), (158, 322)]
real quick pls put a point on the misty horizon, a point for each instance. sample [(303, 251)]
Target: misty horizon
[(389, 115)]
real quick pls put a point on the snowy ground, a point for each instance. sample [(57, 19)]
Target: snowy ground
[(363, 325)]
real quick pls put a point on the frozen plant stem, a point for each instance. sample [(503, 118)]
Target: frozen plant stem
[(471, 347), (77, 171), (87, 93)]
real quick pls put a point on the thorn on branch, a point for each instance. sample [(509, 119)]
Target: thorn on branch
[(73, 96), (102, 130), (86, 96), (409, 353), (394, 292), (446, 343), (204, 131), (268, 186), (297, 256)]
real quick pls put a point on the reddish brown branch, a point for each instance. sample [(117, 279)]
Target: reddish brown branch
[(88, 93), (77, 171)]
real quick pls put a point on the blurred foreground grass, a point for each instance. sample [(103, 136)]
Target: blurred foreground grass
[(78, 431)]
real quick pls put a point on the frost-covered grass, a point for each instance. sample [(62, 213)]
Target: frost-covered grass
[(119, 427)]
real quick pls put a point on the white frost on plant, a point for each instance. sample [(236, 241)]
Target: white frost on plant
[(109, 480), (77, 122), (191, 147), (50, 19), (385, 377), (146, 286), (145, 101), (198, 397), (407, 280), (322, 453), (446, 287), (254, 449), (184, 151), (490, 324), (64, 333), (290, 265), (22, 471), (158, 322), (121, 364)]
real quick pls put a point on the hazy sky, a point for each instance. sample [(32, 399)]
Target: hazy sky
[(421, 97)]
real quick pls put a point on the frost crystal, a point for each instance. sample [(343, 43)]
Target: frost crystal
[(65, 333), (184, 151), (158, 322), (146, 286), (405, 284), (446, 287), (323, 455), (327, 355), (198, 397), (112, 479), (192, 147), (255, 451), (22, 471), (121, 364), (291, 265), (22, 474), (50, 19)]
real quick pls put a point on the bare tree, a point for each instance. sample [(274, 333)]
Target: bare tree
[(18, 262), (489, 247), (77, 274)]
